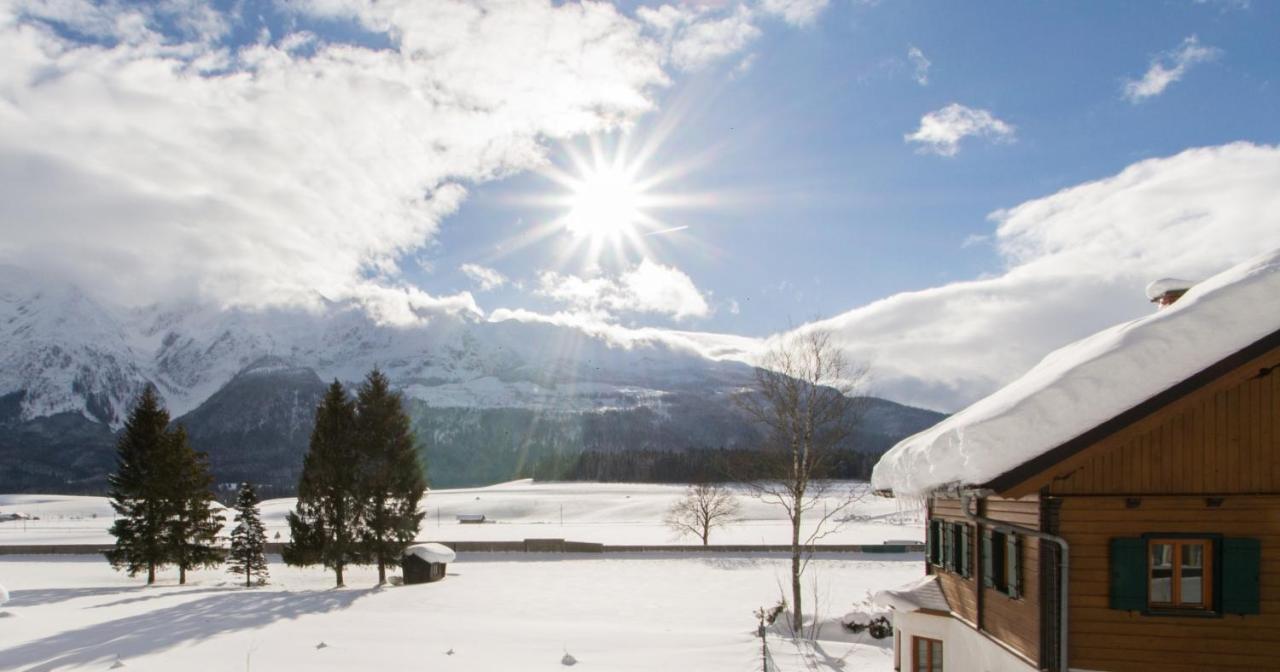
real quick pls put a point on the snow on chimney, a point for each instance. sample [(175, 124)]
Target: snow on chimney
[(1165, 291)]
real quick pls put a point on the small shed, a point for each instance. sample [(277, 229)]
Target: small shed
[(471, 518), (425, 563)]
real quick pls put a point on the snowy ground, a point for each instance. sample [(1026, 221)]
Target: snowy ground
[(612, 513), (494, 611)]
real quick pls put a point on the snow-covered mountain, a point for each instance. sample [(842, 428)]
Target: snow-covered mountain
[(246, 381)]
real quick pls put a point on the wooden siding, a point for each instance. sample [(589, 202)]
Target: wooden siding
[(1016, 623), (1121, 641), (1221, 439)]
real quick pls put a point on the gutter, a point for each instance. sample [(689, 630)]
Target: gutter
[(966, 496)]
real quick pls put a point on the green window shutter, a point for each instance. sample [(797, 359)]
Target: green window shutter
[(1128, 574), (953, 545), (948, 560), (1241, 574), (966, 551), (988, 557), (1013, 573)]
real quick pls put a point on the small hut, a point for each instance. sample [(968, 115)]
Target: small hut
[(425, 563)]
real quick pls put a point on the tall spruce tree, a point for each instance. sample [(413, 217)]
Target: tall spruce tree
[(391, 478), (248, 540), (193, 525), (325, 526), (139, 489)]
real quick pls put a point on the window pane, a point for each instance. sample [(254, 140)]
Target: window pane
[(1161, 573), (1192, 575), (936, 654), (922, 655)]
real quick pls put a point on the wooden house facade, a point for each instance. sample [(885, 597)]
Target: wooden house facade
[(1149, 542)]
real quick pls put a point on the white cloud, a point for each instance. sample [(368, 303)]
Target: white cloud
[(147, 166), (921, 65), (1077, 261), (942, 130), (1168, 68), (487, 278), (709, 345), (650, 287), (795, 12), (698, 35)]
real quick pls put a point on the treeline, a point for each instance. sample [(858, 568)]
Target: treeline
[(692, 466)]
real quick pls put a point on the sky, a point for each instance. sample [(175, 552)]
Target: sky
[(953, 190)]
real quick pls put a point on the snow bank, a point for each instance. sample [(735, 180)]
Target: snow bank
[(923, 593), (432, 552), (1088, 382), (4, 595)]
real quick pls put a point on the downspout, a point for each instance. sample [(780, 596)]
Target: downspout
[(966, 497)]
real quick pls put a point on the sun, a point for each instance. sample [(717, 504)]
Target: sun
[(605, 204), (611, 205)]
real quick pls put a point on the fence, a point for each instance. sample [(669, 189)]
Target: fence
[(533, 546)]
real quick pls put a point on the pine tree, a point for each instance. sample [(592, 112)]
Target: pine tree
[(391, 478), (248, 539), (138, 489), (192, 529), (326, 525)]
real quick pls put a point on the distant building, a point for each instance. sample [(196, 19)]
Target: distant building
[(1115, 508), (471, 518)]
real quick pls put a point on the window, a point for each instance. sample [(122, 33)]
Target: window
[(950, 546), (1002, 562), (926, 654), (1174, 574), (1179, 574), (935, 543)]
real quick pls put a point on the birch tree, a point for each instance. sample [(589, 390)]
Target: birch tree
[(805, 398)]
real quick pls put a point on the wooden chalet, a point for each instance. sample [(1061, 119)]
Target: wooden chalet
[(1148, 541)]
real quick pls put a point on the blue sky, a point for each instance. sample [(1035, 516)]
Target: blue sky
[(838, 210), (953, 190)]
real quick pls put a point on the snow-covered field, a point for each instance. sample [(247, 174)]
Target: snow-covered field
[(611, 513), (494, 611)]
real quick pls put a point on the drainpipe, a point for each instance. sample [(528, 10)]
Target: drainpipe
[(966, 496)]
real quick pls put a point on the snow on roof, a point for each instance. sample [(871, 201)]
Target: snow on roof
[(1159, 288), (1082, 385), (432, 552), (923, 593)]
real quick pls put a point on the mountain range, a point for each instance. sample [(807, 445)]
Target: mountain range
[(488, 400)]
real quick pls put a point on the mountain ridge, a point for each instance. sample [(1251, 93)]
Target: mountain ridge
[(484, 395)]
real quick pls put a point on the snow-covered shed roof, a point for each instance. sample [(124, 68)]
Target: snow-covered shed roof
[(432, 552), (1078, 387), (923, 594)]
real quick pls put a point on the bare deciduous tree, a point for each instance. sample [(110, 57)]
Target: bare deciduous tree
[(704, 506), (806, 399)]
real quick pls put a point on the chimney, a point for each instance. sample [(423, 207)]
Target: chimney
[(1165, 291)]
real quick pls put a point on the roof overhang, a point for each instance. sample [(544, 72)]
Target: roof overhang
[(1035, 473)]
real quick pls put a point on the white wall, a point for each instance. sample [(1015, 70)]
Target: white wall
[(963, 648)]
